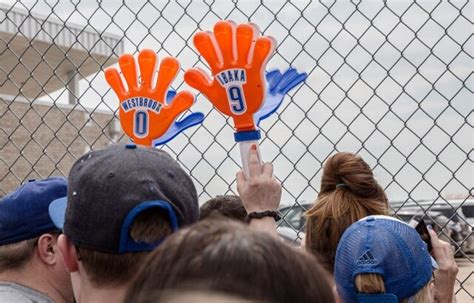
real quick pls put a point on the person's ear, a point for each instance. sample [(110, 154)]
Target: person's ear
[(68, 250), (47, 250)]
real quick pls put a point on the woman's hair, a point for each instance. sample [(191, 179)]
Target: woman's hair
[(227, 257), (374, 284), (348, 193)]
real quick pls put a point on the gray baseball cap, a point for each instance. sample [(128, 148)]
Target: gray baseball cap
[(108, 188)]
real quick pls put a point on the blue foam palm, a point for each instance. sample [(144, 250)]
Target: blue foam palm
[(278, 85), (178, 126)]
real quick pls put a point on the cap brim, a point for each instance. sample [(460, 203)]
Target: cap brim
[(57, 211)]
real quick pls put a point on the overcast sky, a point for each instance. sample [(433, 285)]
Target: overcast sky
[(403, 103)]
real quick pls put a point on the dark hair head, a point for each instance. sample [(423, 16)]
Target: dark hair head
[(227, 206), (227, 257), (348, 193)]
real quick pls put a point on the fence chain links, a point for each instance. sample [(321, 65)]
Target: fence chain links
[(391, 81)]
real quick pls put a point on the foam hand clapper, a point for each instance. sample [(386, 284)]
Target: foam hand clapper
[(278, 85), (237, 57), (145, 114)]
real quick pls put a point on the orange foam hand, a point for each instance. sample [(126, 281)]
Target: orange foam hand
[(143, 111), (237, 56)]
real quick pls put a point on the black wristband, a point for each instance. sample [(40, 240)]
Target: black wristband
[(262, 214)]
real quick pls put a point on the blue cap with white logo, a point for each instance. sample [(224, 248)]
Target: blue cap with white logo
[(24, 212), (386, 246)]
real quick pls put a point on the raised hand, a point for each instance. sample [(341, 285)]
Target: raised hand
[(237, 58), (144, 113), (445, 274), (278, 85), (259, 191)]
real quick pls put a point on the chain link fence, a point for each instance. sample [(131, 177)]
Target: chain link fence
[(391, 81)]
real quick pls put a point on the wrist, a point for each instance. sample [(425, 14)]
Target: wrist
[(259, 209), (262, 214)]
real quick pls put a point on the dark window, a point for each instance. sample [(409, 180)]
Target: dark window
[(405, 218), (468, 211)]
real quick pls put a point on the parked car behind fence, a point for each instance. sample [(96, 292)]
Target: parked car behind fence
[(453, 220)]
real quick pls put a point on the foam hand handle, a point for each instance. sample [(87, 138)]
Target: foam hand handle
[(178, 126), (237, 57), (144, 113), (278, 85)]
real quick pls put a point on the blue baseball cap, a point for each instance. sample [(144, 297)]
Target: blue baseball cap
[(386, 246), (24, 212)]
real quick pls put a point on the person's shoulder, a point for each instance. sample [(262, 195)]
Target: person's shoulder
[(16, 293)]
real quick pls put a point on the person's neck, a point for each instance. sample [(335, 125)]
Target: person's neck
[(89, 293), (33, 278)]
